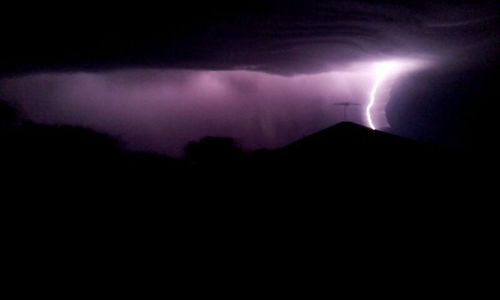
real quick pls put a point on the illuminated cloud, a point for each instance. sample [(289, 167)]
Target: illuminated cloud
[(162, 110), (264, 72)]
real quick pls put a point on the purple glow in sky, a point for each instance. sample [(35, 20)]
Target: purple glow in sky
[(384, 74), (162, 110)]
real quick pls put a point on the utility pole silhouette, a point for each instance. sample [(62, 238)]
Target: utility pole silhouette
[(346, 105)]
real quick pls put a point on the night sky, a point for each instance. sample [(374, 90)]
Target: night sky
[(266, 73)]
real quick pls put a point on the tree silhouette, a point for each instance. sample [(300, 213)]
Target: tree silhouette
[(8, 115), (213, 151)]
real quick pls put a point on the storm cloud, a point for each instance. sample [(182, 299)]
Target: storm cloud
[(286, 37), (161, 111), (263, 72)]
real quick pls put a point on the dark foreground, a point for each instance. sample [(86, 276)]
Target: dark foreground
[(347, 210)]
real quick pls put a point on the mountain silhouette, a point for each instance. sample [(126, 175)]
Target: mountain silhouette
[(347, 136), (349, 147)]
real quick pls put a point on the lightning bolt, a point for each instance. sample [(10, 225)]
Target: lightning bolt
[(382, 71), (373, 99)]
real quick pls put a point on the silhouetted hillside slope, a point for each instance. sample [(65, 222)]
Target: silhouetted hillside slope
[(352, 148), (338, 158), (349, 137)]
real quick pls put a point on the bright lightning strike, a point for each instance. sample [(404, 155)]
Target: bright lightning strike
[(382, 72)]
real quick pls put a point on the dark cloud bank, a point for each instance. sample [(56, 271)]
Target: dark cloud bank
[(287, 37)]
